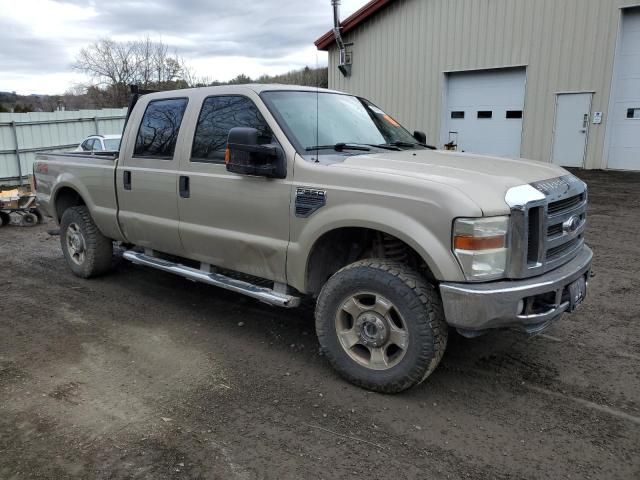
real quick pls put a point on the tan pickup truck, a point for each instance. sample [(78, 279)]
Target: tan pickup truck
[(282, 192)]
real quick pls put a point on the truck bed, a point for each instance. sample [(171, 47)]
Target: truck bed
[(91, 175)]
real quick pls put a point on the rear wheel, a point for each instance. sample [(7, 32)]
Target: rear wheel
[(381, 325), (87, 251)]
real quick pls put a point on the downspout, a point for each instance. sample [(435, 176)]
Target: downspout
[(344, 68)]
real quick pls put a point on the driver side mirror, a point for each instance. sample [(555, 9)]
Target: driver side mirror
[(245, 156), (420, 137)]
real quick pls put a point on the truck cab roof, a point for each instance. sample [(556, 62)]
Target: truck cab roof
[(255, 87)]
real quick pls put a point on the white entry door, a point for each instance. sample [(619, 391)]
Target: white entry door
[(573, 112)]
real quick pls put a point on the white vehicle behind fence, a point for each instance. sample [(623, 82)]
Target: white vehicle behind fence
[(100, 143)]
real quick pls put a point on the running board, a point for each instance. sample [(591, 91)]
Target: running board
[(266, 295)]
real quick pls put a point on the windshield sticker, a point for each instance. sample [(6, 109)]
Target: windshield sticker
[(390, 120)]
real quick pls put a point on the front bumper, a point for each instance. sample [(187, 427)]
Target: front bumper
[(472, 308)]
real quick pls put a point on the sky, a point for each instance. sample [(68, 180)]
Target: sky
[(220, 39)]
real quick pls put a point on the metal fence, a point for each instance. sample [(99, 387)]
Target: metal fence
[(23, 135)]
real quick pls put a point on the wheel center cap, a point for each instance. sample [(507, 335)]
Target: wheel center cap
[(372, 329), (76, 243)]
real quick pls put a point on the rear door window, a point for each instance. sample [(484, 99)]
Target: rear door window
[(159, 128), (218, 116)]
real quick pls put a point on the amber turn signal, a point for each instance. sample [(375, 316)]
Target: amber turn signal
[(465, 242)]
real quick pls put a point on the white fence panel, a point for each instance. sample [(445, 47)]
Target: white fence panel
[(23, 135)]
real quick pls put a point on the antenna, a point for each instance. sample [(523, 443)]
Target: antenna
[(318, 108)]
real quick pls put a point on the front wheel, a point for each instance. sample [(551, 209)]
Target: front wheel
[(87, 251), (381, 325)]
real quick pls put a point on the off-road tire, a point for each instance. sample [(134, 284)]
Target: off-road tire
[(98, 258), (413, 297), (5, 219)]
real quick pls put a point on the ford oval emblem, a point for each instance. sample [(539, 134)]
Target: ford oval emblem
[(571, 225)]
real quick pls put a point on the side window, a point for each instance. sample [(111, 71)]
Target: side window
[(97, 145), (159, 129), (87, 145), (217, 117)]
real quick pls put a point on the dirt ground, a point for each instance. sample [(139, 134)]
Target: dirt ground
[(141, 374)]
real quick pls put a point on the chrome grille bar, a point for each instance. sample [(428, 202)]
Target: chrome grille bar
[(548, 220)]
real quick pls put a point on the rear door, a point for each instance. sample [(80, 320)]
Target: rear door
[(232, 221), (146, 180)]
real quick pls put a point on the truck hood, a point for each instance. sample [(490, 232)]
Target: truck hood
[(484, 179)]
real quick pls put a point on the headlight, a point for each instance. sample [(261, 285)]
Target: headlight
[(480, 244)]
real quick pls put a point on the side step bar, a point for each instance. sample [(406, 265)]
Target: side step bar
[(266, 295)]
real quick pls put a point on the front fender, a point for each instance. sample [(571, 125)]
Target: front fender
[(426, 242)]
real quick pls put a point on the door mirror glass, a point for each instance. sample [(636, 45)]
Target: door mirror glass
[(420, 137), (245, 156)]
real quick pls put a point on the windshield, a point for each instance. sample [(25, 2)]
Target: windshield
[(321, 119), (112, 144)]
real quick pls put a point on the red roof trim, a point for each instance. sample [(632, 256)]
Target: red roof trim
[(351, 22)]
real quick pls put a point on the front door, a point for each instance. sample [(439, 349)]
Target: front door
[(232, 221), (146, 179), (573, 112)]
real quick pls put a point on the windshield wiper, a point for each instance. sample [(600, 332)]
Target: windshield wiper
[(339, 147), (404, 144), (409, 145), (387, 146)]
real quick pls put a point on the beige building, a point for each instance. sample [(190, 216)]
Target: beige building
[(551, 80)]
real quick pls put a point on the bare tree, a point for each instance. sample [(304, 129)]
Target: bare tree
[(114, 65)]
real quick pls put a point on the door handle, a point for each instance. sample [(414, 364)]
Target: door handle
[(183, 186), (126, 179)]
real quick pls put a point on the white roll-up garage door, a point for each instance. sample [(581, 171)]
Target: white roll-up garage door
[(624, 118), (484, 111)]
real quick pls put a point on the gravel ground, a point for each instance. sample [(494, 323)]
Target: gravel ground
[(141, 374)]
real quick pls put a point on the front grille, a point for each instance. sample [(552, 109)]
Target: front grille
[(552, 224), (554, 230), (533, 239), (556, 252), (565, 204)]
